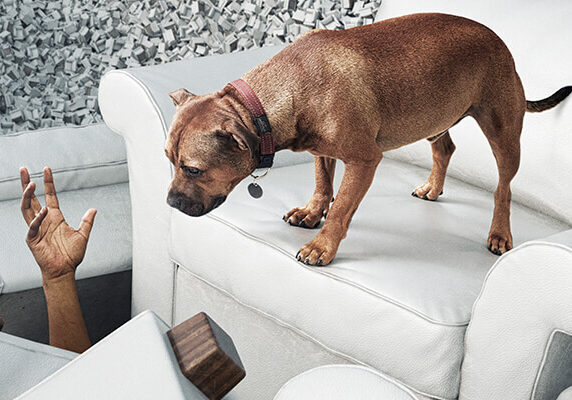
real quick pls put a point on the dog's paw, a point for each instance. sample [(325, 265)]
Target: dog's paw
[(499, 243), (305, 217), (427, 191), (320, 251)]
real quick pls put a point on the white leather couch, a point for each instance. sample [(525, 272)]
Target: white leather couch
[(399, 296)]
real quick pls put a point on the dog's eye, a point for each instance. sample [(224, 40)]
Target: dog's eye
[(191, 171)]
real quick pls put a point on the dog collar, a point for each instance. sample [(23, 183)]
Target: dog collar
[(266, 155)]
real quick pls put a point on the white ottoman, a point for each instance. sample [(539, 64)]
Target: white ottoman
[(343, 382)]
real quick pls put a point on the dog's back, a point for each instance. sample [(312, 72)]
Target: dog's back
[(410, 77)]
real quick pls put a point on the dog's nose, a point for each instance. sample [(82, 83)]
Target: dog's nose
[(174, 200)]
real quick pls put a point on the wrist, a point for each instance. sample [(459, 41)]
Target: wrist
[(54, 279)]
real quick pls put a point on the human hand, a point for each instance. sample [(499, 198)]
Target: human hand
[(56, 246)]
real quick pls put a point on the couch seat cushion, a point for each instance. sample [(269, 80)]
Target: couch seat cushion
[(397, 297)]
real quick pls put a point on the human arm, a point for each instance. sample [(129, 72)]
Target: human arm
[(58, 249)]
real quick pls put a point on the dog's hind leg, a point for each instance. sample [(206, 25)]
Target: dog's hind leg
[(311, 214), (502, 126), (443, 148)]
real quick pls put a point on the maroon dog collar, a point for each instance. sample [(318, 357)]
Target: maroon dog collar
[(266, 156)]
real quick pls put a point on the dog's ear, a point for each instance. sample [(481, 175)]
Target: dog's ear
[(171, 145), (241, 136), (181, 96)]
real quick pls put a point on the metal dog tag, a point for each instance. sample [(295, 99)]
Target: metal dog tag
[(255, 190)]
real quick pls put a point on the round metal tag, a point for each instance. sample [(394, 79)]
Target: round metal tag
[(255, 190)]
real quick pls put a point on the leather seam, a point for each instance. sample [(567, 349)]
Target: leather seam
[(36, 351), (544, 356), (74, 360), (293, 328), (71, 169), (332, 276), (52, 128), (491, 271), (386, 378), (147, 93)]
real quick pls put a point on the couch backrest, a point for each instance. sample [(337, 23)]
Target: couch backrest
[(80, 157), (539, 35)]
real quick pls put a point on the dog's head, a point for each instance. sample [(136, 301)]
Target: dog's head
[(212, 151)]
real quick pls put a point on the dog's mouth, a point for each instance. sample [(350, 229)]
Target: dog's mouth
[(191, 208)]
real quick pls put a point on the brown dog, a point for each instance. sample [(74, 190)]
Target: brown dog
[(351, 95)]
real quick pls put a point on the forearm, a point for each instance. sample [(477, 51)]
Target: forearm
[(66, 324)]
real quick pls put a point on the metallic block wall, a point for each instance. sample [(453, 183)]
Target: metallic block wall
[(53, 52)]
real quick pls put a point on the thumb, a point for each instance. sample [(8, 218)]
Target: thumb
[(87, 222)]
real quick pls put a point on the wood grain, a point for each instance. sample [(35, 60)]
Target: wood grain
[(207, 356)]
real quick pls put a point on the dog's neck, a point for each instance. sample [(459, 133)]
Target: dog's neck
[(277, 104)]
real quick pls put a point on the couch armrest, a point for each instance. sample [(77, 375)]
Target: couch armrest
[(135, 104), (524, 304)]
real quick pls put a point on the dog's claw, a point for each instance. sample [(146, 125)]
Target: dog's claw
[(496, 252), (413, 194), (298, 255), (306, 261), (320, 262), (302, 224)]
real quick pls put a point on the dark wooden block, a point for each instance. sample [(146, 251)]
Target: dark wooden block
[(207, 356)]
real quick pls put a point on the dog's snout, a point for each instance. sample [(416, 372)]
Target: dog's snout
[(174, 200), (218, 201), (185, 204)]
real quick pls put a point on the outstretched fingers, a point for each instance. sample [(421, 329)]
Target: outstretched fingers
[(50, 189), (26, 204), (25, 181), (36, 223), (87, 223)]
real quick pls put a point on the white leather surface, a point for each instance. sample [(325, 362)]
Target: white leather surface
[(538, 36), (404, 279), (525, 297), (25, 363), (564, 237), (109, 248), (135, 104), (129, 110), (343, 382), (566, 395), (272, 352), (134, 362), (80, 157)]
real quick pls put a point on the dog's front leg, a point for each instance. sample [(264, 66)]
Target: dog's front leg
[(355, 183), (311, 214)]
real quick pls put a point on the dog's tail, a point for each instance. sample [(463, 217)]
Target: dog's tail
[(549, 102)]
